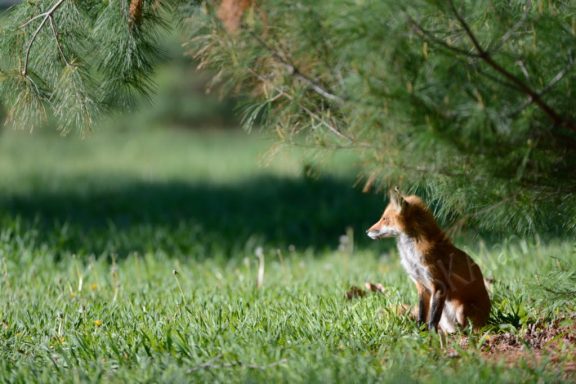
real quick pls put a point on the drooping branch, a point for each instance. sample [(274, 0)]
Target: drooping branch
[(555, 80), (429, 36), (433, 39), (496, 79), (294, 71), (534, 96), (504, 39), (45, 16), (330, 127), (314, 85), (55, 31)]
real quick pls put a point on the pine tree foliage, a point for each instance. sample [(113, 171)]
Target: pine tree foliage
[(73, 59), (467, 102)]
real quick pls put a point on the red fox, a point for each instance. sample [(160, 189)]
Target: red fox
[(450, 285)]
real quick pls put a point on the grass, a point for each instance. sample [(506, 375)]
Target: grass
[(133, 256)]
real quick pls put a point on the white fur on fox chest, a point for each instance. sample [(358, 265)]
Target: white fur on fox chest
[(412, 261)]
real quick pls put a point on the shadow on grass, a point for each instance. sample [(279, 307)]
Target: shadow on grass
[(197, 220)]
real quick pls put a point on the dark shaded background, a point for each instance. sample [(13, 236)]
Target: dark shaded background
[(125, 214)]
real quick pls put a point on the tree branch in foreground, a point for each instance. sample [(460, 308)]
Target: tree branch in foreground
[(46, 16), (535, 97), (55, 31), (504, 39), (310, 113), (294, 71), (555, 80)]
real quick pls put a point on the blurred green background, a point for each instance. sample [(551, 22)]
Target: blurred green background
[(178, 174)]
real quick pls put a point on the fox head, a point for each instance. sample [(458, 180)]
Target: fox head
[(391, 223)]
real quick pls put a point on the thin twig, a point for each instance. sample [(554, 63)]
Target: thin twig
[(27, 56), (429, 36), (497, 79), (555, 80), (523, 87), (32, 19), (310, 113), (513, 29), (293, 70), (322, 121), (55, 31), (47, 15)]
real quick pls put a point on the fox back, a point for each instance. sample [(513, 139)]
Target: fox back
[(447, 279)]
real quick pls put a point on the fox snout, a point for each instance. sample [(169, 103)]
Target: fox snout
[(374, 235), (378, 231)]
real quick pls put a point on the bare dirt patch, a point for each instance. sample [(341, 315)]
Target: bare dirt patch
[(554, 342)]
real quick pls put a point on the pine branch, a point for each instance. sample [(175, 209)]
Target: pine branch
[(310, 113), (555, 80), (497, 79), (496, 46), (315, 85), (485, 55), (46, 16), (294, 71), (448, 107), (430, 37), (55, 31)]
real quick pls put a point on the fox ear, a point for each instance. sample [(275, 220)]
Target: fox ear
[(396, 199)]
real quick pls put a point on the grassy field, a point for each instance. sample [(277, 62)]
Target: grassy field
[(171, 256)]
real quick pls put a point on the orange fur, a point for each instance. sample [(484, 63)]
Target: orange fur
[(449, 282)]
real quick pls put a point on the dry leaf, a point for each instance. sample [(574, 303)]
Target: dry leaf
[(374, 287), (355, 292)]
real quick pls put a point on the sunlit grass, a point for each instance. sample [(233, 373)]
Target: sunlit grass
[(132, 257)]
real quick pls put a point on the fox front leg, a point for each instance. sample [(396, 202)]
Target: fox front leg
[(436, 307), (423, 304)]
